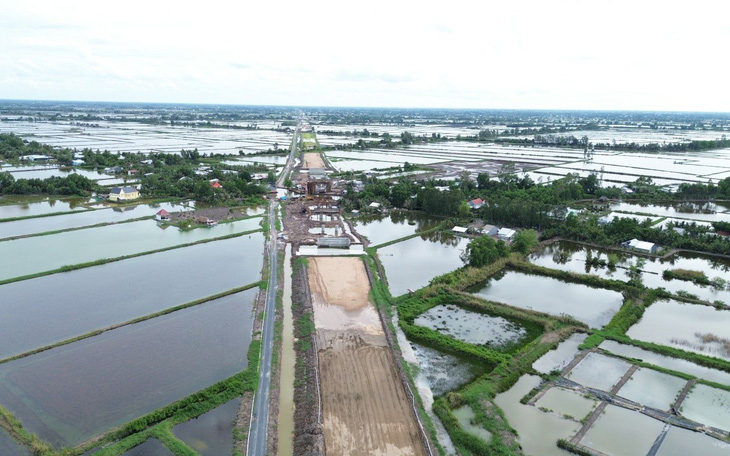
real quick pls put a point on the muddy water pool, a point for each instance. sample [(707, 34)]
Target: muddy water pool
[(73, 392), (567, 403), (152, 447), (396, 225), (593, 306), (445, 372), (9, 447), (464, 415), (210, 434), (61, 306)]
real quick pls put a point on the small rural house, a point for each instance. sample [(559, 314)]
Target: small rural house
[(490, 230), (640, 246), (506, 234), (476, 203), (123, 194), (162, 216), (459, 229)]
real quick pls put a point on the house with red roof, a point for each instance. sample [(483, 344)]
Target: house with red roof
[(162, 216), (476, 203)]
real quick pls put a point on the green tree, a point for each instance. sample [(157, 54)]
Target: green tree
[(524, 241), (483, 251)]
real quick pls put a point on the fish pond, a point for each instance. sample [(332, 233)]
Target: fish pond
[(56, 310), (559, 358), (599, 371), (151, 447), (477, 328), (211, 433), (652, 389), (692, 327), (566, 402), (444, 371), (44, 253), (396, 225), (709, 406), (412, 264), (593, 306), (9, 447), (622, 432), (681, 442), (465, 416), (70, 393), (24, 206)]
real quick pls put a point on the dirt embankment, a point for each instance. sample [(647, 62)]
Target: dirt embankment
[(313, 160), (364, 405)]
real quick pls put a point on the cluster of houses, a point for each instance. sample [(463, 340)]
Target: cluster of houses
[(504, 233)]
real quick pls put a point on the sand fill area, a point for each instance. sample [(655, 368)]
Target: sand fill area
[(365, 408), (313, 160)]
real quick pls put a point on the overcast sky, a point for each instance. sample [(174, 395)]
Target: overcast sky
[(636, 55)]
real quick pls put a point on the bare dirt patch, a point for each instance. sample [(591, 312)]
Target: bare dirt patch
[(365, 408), (313, 160)]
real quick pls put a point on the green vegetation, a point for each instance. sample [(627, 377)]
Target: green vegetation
[(697, 277), (483, 251)]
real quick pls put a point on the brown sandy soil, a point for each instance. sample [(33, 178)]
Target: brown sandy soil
[(365, 407), (313, 160)]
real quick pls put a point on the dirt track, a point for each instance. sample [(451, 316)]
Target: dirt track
[(313, 160), (365, 408)]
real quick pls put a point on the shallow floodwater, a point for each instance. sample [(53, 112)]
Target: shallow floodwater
[(538, 432), (412, 264), (709, 406), (396, 225), (210, 434), (464, 415), (593, 306), (652, 389), (12, 206), (45, 253), (676, 364), (681, 442), (152, 447), (445, 372), (622, 432), (84, 218), (61, 306), (706, 212), (472, 327), (9, 447), (686, 326), (560, 357), (73, 392), (599, 371), (567, 403)]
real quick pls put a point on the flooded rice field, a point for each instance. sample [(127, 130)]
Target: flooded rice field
[(566, 402), (652, 389), (73, 392), (681, 442), (464, 415), (708, 212), (44, 253), (86, 218), (25, 206), (396, 225), (471, 327), (151, 447), (637, 432), (593, 306), (61, 306), (9, 447), (443, 371), (537, 431), (599, 371), (411, 264), (559, 358), (210, 434), (675, 364), (692, 327), (709, 406), (572, 257)]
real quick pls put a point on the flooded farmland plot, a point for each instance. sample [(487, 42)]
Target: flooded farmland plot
[(210, 434), (676, 364), (73, 392), (599, 371), (593, 306), (559, 358), (411, 264), (652, 389), (396, 225), (464, 415), (691, 327), (709, 406), (538, 431), (24, 206), (9, 447), (45, 253), (445, 372), (475, 328), (568, 403), (706, 212), (622, 432), (86, 218), (57, 310), (151, 447), (681, 442)]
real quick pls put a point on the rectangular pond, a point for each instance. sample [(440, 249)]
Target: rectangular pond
[(692, 327), (71, 393), (210, 434), (412, 264), (445, 372), (599, 371), (559, 358), (651, 388), (49, 309), (681, 442), (709, 406), (568, 403), (45, 253), (24, 206), (622, 432), (396, 225), (593, 306)]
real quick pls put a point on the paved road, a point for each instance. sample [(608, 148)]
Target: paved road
[(257, 435), (290, 160)]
